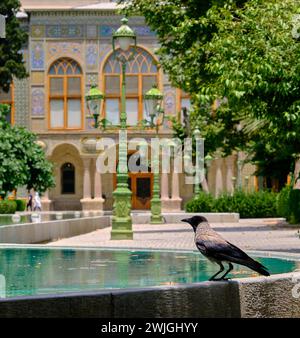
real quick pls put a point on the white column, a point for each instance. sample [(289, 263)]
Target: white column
[(97, 184), (176, 199), (219, 177), (46, 202), (86, 179), (164, 186), (175, 186), (229, 174)]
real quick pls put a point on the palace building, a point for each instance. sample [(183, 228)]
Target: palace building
[(69, 48)]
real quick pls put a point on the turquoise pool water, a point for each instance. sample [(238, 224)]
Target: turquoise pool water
[(51, 271)]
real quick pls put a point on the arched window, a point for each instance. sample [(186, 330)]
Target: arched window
[(141, 74), (8, 98), (68, 179), (65, 95)]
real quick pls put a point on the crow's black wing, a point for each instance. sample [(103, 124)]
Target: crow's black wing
[(216, 247)]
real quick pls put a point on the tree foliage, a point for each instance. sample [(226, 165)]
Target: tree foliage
[(242, 51), (23, 161), (11, 59)]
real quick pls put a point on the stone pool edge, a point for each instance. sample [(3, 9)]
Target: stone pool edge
[(268, 297)]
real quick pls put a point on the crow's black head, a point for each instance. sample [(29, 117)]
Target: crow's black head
[(194, 221)]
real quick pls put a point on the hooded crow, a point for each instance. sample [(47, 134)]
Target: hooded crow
[(214, 247)]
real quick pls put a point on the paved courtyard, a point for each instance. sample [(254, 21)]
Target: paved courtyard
[(259, 234)]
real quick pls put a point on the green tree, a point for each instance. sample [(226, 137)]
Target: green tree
[(242, 51), (11, 60), (23, 161)]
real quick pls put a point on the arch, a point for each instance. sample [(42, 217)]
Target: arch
[(142, 71), (67, 178), (61, 154), (65, 95), (65, 63)]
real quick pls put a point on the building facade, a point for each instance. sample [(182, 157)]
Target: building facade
[(70, 48)]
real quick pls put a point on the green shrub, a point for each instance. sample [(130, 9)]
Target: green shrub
[(202, 203), (248, 205), (21, 205), (8, 207), (294, 206), (283, 202)]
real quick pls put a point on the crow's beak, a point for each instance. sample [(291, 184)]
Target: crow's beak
[(187, 220)]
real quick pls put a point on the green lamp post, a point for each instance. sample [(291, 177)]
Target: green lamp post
[(197, 135), (122, 40), (93, 99), (153, 104)]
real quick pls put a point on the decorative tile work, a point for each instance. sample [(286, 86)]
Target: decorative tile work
[(107, 30), (91, 79), (170, 101), (22, 102), (91, 31), (37, 78), (65, 31), (57, 49), (91, 56), (37, 55), (103, 51), (37, 31), (37, 102)]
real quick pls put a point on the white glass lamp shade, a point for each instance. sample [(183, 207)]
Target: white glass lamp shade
[(153, 100), (125, 43), (94, 107), (93, 100), (152, 107), (124, 37)]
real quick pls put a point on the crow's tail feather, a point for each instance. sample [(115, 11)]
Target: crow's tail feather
[(256, 266)]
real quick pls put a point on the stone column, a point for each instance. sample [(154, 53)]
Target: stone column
[(46, 202), (164, 191), (219, 177), (229, 174), (176, 199), (87, 198), (98, 200)]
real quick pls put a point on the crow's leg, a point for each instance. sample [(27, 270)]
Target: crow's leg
[(227, 272), (216, 274)]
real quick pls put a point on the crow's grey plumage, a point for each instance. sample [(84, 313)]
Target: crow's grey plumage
[(218, 250)]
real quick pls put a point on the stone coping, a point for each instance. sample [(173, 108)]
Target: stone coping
[(274, 296), (247, 298)]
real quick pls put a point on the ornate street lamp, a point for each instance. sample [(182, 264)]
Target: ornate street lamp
[(94, 99), (122, 41), (153, 104)]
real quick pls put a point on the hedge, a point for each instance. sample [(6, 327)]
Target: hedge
[(8, 206), (21, 205), (248, 205)]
